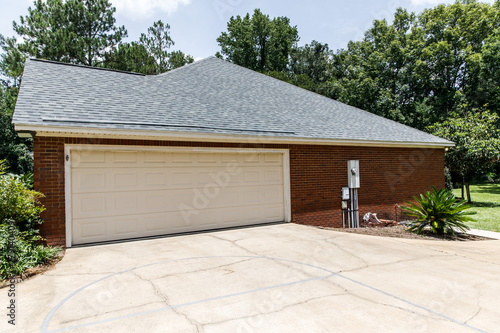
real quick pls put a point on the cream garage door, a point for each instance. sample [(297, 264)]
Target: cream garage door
[(127, 194)]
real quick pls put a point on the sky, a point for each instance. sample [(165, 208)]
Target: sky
[(196, 24)]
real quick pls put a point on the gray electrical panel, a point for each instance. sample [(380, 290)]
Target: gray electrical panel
[(353, 173)]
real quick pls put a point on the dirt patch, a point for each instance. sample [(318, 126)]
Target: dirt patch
[(31, 272), (401, 231)]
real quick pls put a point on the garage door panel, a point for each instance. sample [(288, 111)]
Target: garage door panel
[(272, 159), (230, 158), (154, 157), (124, 180), (156, 179), (89, 180), (128, 194), (88, 158), (90, 231), (158, 224), (156, 201), (121, 157), (125, 226), (183, 178), (127, 202), (183, 158), (207, 158), (272, 175), (94, 204)]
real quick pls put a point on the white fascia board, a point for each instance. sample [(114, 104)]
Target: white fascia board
[(87, 132)]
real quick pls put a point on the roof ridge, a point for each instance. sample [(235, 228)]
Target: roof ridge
[(85, 66), (185, 66)]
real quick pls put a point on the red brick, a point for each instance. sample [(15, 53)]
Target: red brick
[(317, 174)]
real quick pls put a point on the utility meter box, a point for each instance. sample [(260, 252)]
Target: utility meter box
[(345, 193), (353, 173)]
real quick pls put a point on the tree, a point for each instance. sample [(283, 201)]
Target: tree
[(130, 57), (74, 31), (11, 64), (377, 73), (15, 150), (157, 42), (449, 61), (477, 144), (179, 59), (489, 87), (420, 69), (313, 60), (257, 42)]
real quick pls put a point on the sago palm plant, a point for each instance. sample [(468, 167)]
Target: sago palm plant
[(439, 210)]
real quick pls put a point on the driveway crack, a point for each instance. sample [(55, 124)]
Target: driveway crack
[(390, 263), (287, 264), (205, 269), (274, 311), (194, 323)]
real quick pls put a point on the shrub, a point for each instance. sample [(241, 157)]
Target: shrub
[(21, 250), (20, 242), (18, 202), (439, 210)]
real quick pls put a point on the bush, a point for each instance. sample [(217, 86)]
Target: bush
[(19, 203), (439, 210), (20, 242), (21, 250)]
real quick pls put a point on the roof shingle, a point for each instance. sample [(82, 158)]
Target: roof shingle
[(208, 96)]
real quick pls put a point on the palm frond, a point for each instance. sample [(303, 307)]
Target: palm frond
[(439, 210)]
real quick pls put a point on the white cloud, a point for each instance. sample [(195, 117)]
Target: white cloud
[(140, 9), (436, 2)]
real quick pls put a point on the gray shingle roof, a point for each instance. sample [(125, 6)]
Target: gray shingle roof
[(210, 96)]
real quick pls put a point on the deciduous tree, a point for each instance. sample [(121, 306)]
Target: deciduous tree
[(477, 142), (257, 42)]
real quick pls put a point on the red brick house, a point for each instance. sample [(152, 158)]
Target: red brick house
[(209, 145)]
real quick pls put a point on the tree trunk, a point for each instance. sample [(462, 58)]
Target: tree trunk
[(463, 184), (468, 192)]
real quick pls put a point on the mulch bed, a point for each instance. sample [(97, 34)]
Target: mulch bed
[(30, 272), (401, 231)]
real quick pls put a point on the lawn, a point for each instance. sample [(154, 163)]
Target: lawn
[(486, 205)]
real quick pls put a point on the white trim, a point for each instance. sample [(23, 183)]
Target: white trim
[(68, 148), (133, 148), (67, 195), (286, 184), (74, 132)]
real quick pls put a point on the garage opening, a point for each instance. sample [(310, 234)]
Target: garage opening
[(119, 194)]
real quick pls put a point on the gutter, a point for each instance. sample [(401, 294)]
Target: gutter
[(93, 132)]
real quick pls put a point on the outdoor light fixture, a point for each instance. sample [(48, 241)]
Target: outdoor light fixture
[(26, 134)]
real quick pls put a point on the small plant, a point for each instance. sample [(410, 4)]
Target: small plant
[(439, 210)]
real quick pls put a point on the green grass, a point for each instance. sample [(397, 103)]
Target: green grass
[(485, 205)]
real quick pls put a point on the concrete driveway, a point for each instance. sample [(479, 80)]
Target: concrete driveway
[(277, 278)]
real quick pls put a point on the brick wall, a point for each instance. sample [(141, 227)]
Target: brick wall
[(388, 176)]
